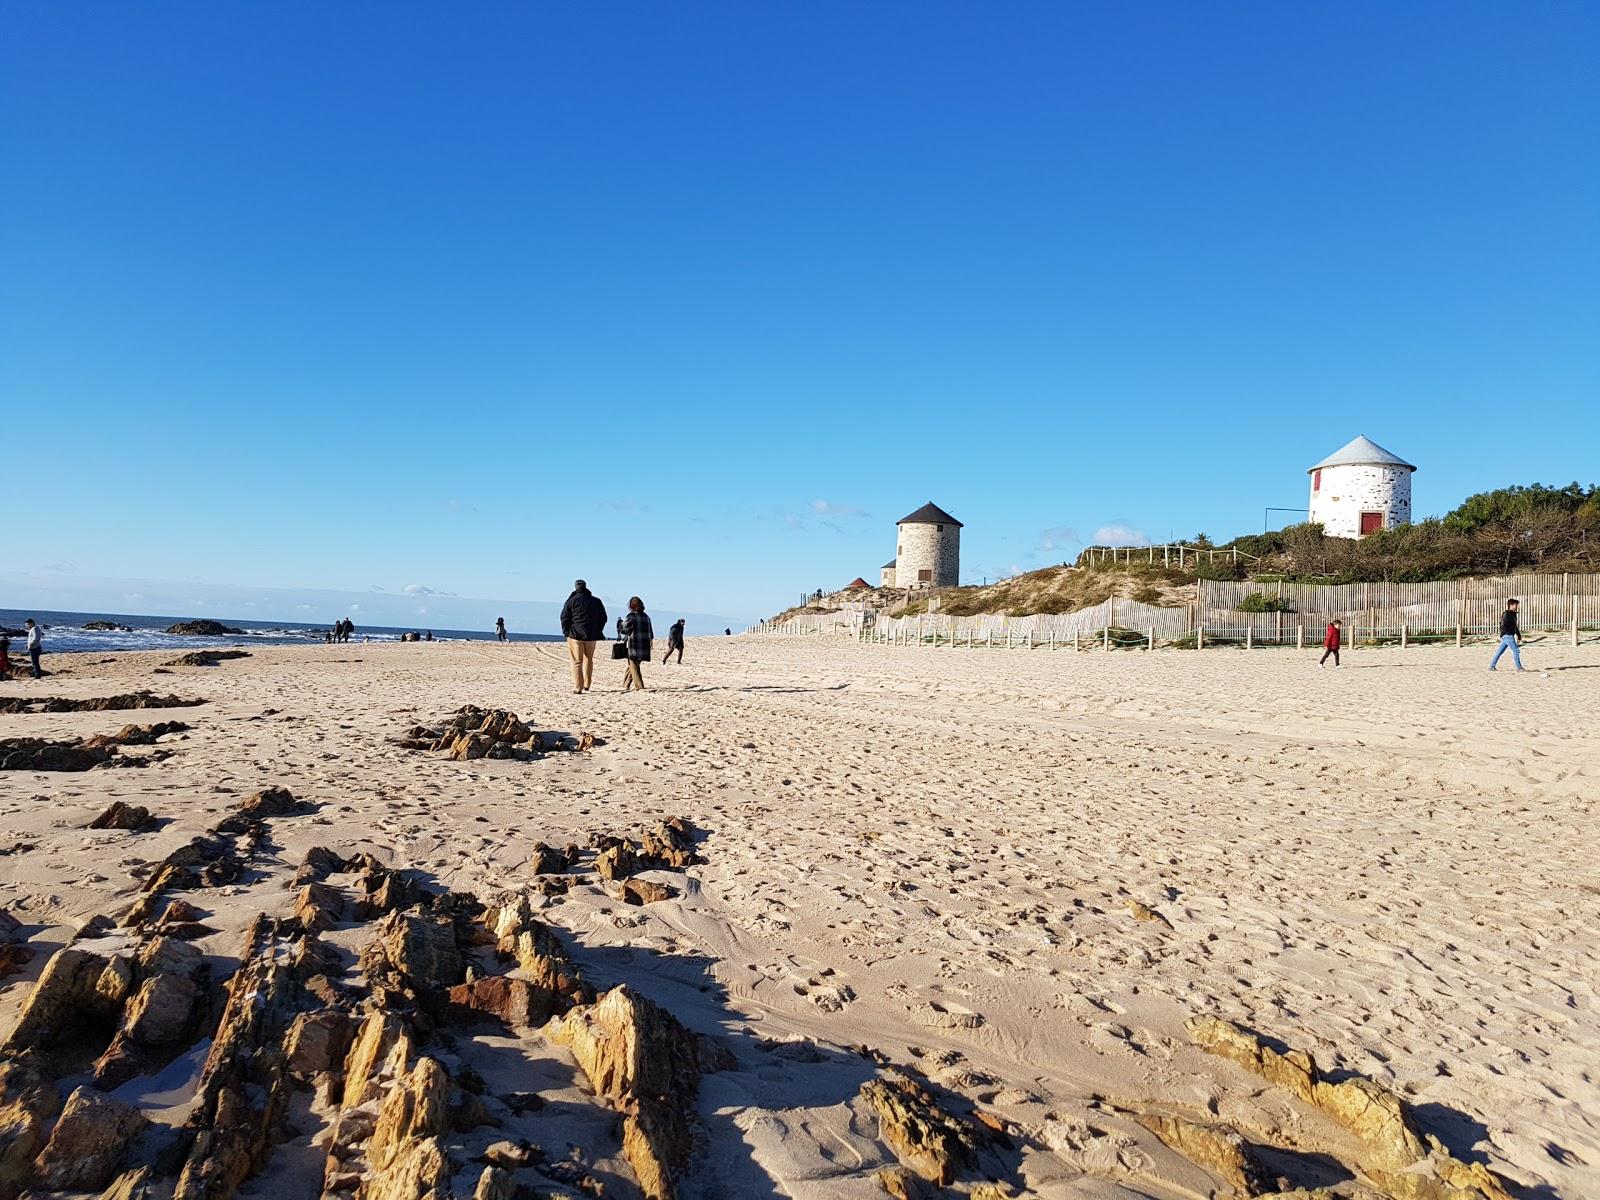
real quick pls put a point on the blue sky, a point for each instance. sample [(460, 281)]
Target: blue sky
[(697, 300)]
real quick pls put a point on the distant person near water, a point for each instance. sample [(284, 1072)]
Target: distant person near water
[(674, 642), (583, 623), (35, 645), (1330, 644), (5, 657), (500, 628), (637, 634), (1510, 637)]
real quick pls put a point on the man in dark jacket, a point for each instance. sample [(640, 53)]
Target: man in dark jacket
[(583, 622), (1510, 636)]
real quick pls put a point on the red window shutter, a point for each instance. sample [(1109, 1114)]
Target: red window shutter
[(1316, 480), (1371, 522)]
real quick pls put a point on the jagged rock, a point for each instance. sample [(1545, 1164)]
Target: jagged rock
[(319, 907), (160, 1010), (28, 1103), (616, 861), (1292, 1070), (467, 746), (320, 862), (385, 891), (498, 725), (1143, 912), (495, 1184), (124, 701), (137, 1184), (180, 919), (37, 754), (1396, 1156), (381, 1049), (546, 860), (135, 735), (10, 927), (66, 992), (516, 1002), (13, 958), (935, 1144), (645, 891), (132, 817), (206, 658), (902, 1184), (671, 843), (243, 1092), (420, 1171), (1216, 1148), (261, 806), (511, 1155), (415, 1108), (639, 1057), (317, 1043), (88, 1143), (422, 949), (202, 628), (523, 937)]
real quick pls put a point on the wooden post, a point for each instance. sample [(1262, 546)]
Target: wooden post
[(1074, 639), (1008, 637), (1152, 645), (1300, 636), (1574, 620), (1030, 637), (1108, 637), (1200, 636), (1052, 637), (1403, 630), (1249, 635), (1166, 556)]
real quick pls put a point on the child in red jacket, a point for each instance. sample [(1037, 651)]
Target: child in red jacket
[(1330, 644)]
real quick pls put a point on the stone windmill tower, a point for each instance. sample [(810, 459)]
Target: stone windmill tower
[(1360, 489), (928, 553)]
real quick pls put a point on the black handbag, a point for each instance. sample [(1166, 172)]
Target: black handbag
[(619, 649)]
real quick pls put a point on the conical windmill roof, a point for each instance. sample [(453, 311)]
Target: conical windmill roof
[(1361, 451)]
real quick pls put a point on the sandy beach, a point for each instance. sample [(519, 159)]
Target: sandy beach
[(1018, 875)]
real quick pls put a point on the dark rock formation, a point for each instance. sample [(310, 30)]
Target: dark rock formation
[(206, 658), (202, 628), (120, 815)]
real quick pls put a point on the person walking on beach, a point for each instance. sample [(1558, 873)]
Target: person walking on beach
[(500, 628), (637, 634), (1510, 637), (35, 646), (1330, 644), (583, 623), (674, 642)]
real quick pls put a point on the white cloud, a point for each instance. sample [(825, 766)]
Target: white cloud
[(827, 508), (420, 589), (1119, 533), (1058, 537)]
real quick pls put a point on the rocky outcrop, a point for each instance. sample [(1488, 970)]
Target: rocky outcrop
[(524, 939), (1396, 1157), (126, 700), (671, 844), (89, 1142), (38, 754), (547, 860), (637, 1056), (202, 628), (1217, 1148), (243, 1092), (14, 952), (206, 658), (28, 1104), (473, 733), (935, 1144), (120, 815), (645, 891), (515, 1003)]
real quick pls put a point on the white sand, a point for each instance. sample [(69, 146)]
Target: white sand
[(931, 852)]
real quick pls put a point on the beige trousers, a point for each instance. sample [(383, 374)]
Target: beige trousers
[(582, 655), (634, 678)]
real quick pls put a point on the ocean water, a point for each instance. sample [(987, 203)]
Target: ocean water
[(64, 631)]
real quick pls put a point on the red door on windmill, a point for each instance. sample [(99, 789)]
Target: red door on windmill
[(1371, 522)]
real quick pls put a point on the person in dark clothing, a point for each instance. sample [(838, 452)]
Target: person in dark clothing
[(583, 623), (5, 657), (1510, 636), (1330, 644), (674, 642), (500, 628), (637, 633)]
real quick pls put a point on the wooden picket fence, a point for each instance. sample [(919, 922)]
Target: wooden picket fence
[(1375, 613)]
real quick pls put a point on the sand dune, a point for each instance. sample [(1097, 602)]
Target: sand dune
[(1018, 874)]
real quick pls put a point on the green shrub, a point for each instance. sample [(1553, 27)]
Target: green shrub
[(1260, 602)]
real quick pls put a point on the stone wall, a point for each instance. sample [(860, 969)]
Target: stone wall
[(932, 548), (886, 577), (1349, 490)]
